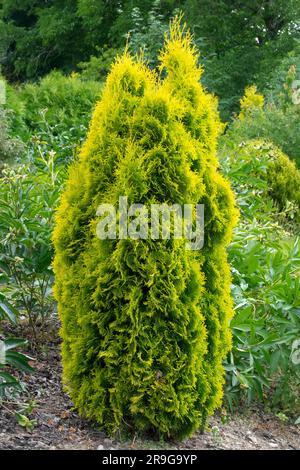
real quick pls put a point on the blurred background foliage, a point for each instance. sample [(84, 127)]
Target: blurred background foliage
[(240, 42)]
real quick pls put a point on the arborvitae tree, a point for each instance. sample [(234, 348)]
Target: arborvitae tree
[(145, 323)]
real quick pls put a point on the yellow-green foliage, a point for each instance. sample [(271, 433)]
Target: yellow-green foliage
[(250, 101), (281, 174), (145, 323)]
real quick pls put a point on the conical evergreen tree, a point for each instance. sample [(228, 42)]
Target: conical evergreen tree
[(145, 322), (202, 125)]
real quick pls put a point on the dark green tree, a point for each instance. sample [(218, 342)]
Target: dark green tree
[(241, 41)]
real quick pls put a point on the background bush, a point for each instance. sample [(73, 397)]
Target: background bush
[(28, 197), (278, 121), (145, 322), (264, 256), (63, 103)]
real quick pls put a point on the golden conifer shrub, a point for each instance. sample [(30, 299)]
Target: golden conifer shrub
[(250, 101), (145, 322)]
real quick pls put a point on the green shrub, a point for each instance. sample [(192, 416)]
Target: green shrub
[(97, 67), (28, 197), (145, 322), (59, 102), (278, 89), (278, 121), (281, 175), (15, 106), (264, 256), (266, 325), (276, 125)]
